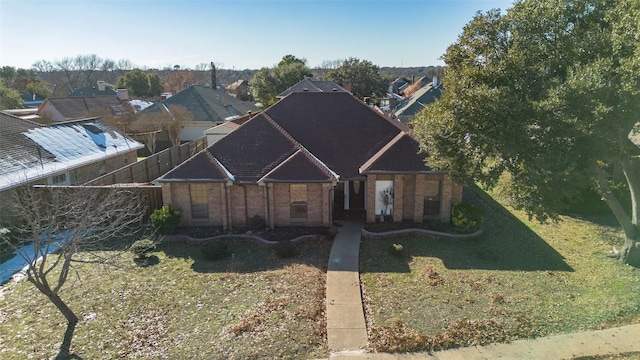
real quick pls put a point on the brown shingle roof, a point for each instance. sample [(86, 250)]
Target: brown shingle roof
[(311, 137), (402, 155), (336, 127)]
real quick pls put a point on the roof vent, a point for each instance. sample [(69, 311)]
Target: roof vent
[(305, 89)]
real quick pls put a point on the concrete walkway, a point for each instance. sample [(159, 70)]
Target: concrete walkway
[(347, 333), (346, 328)]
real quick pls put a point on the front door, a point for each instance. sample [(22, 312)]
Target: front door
[(349, 201)]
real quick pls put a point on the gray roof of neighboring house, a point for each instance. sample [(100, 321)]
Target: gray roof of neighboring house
[(312, 85), (84, 106), (408, 108), (29, 151), (92, 91), (206, 104)]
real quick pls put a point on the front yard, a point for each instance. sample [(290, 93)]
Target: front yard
[(520, 279), (249, 305)]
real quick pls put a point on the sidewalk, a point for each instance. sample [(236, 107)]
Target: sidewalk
[(347, 333)]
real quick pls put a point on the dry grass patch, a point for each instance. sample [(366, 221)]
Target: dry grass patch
[(519, 280), (249, 305)]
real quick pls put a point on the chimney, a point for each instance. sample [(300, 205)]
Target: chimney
[(347, 86), (214, 83), (122, 94), (434, 82), (101, 86)]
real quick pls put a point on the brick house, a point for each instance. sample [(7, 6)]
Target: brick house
[(311, 158), (69, 153)]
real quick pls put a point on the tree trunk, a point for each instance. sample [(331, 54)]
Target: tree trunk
[(64, 309), (630, 253)]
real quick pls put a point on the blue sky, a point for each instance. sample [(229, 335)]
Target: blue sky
[(240, 34)]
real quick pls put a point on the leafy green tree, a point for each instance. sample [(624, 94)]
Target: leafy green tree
[(9, 98), (267, 83), (364, 77), (545, 96), (140, 83)]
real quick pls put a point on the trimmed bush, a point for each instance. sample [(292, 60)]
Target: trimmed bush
[(214, 250), (256, 223), (467, 216), (165, 219), (396, 250), (286, 249), (142, 248)]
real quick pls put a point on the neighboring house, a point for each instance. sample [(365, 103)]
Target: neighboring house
[(309, 159), (217, 132), (100, 90), (31, 100), (408, 108), (208, 106), (68, 153), (55, 110), (398, 85), (310, 84), (239, 89)]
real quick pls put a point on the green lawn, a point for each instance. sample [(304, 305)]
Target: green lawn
[(520, 279), (250, 305)]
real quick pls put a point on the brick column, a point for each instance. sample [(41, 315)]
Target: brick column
[(371, 198), (418, 205), (223, 205), (271, 205), (227, 197), (398, 195), (326, 204), (445, 199)]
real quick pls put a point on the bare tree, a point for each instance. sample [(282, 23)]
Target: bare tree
[(173, 126), (178, 80), (63, 226), (147, 127)]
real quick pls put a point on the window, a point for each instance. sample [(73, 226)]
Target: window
[(432, 198), (59, 179), (199, 201), (73, 177), (102, 167), (298, 198)]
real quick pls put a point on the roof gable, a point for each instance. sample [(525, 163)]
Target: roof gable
[(336, 127), (401, 155)]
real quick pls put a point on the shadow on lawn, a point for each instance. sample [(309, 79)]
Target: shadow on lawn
[(247, 257), (507, 244)]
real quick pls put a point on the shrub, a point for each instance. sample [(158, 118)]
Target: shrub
[(142, 248), (467, 216), (286, 249), (214, 250), (256, 223), (396, 250), (165, 219)]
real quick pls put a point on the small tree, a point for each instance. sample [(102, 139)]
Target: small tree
[(62, 223)]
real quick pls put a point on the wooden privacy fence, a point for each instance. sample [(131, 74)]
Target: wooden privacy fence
[(151, 168), (150, 195)]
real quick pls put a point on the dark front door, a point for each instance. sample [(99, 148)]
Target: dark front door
[(356, 195)]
